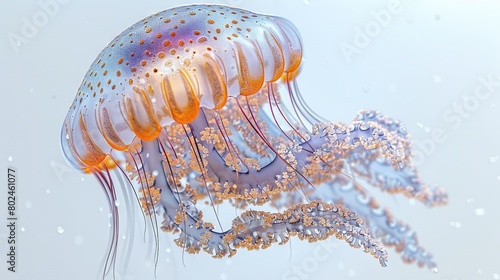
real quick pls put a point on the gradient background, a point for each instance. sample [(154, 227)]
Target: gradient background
[(429, 57)]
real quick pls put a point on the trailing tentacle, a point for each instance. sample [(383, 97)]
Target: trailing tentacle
[(377, 170), (253, 229), (325, 149)]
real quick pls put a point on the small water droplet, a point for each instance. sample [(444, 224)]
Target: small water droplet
[(117, 203), (168, 250), (410, 18), (307, 2), (10, 158), (494, 159), (83, 179), (78, 240), (455, 224), (496, 276), (392, 88), (155, 172), (365, 88), (419, 124), (124, 237), (67, 136), (436, 79), (438, 17), (101, 209), (480, 211), (32, 90), (427, 129), (23, 229), (47, 191), (153, 100), (28, 204), (435, 270), (60, 230)]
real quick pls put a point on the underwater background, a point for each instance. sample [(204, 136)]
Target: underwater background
[(434, 65)]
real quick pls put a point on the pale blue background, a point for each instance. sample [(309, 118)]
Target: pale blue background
[(430, 55)]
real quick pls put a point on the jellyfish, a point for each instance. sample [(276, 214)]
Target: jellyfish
[(200, 103)]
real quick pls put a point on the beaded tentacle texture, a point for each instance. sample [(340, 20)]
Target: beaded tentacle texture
[(189, 104)]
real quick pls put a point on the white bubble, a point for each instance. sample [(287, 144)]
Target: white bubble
[(124, 237), (480, 211), (153, 100), (470, 200), (155, 173), (101, 209), (455, 224), (60, 230), (307, 2), (436, 79), (83, 179), (496, 276), (23, 229), (410, 18), (494, 159), (168, 250), (47, 191), (419, 124), (117, 203), (78, 240), (10, 158), (28, 204), (393, 88), (32, 90), (365, 88)]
